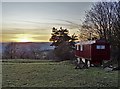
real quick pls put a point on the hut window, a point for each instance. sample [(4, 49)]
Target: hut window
[(77, 47), (81, 47), (100, 47)]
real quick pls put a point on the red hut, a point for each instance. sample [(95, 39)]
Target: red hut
[(94, 51)]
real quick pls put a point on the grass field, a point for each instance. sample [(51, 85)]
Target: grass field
[(55, 74)]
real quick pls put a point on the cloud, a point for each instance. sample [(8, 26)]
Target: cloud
[(37, 30), (48, 24)]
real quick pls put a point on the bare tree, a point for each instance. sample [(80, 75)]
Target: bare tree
[(9, 51), (36, 52), (117, 30), (13, 51), (100, 19)]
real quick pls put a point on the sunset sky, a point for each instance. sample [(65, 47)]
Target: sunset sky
[(33, 21)]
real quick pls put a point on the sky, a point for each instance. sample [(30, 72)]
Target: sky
[(33, 21)]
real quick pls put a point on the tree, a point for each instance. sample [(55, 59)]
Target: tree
[(117, 30), (9, 51), (87, 33), (100, 19), (36, 52), (63, 43), (13, 51)]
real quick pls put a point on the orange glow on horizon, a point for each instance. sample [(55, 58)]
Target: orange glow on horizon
[(23, 40), (28, 38)]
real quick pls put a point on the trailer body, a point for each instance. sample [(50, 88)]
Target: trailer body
[(95, 51)]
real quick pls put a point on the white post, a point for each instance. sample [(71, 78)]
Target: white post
[(78, 60), (88, 63)]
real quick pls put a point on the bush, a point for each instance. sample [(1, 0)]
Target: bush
[(64, 51)]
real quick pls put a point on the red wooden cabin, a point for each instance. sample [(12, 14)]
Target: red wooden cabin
[(94, 51)]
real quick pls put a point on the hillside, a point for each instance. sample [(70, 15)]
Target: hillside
[(28, 45), (56, 74), (25, 49)]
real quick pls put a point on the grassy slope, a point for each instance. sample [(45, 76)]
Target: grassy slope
[(55, 74)]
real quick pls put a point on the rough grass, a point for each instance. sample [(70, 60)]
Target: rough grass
[(55, 74)]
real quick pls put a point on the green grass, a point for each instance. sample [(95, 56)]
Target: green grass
[(55, 74)]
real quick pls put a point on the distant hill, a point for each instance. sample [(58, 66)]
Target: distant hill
[(28, 45), (25, 49)]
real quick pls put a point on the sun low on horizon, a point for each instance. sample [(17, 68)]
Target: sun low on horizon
[(23, 38), (26, 38)]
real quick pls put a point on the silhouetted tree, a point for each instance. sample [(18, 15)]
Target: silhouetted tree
[(100, 19), (117, 31), (63, 43)]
